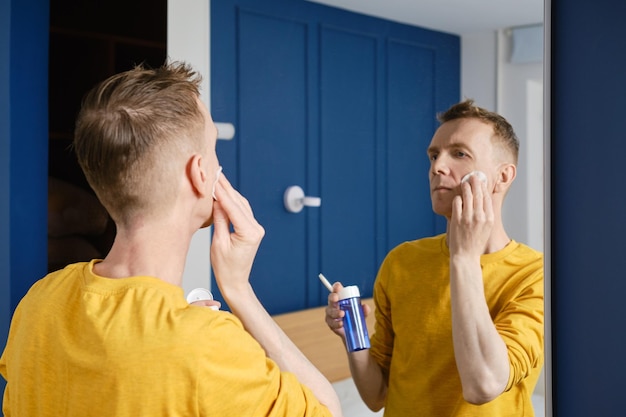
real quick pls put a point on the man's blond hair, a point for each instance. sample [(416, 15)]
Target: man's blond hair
[(133, 133), (505, 135)]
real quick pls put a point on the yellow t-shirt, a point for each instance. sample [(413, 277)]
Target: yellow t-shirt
[(413, 333), (84, 345)]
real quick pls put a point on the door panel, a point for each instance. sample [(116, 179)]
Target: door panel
[(348, 88), (411, 122), (342, 105), (272, 148)]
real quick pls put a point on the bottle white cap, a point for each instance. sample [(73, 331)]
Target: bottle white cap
[(349, 292), (199, 294)]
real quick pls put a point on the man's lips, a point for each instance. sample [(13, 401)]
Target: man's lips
[(442, 188)]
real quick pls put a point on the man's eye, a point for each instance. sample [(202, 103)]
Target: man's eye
[(432, 157), (461, 154)]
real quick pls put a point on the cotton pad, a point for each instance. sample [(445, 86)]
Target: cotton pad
[(479, 174)]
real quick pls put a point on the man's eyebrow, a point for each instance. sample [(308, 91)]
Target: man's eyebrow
[(457, 145)]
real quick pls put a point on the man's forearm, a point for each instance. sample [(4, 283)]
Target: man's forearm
[(368, 378), (481, 354), (281, 349)]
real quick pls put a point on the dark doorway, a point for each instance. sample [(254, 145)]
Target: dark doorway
[(89, 41)]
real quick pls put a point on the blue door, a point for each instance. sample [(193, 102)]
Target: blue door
[(342, 105)]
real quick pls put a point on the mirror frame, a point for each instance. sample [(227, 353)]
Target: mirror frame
[(547, 228)]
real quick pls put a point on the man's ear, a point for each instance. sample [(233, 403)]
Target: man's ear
[(197, 175), (506, 175)]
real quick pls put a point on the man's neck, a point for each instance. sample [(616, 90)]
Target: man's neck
[(158, 251), (497, 240)]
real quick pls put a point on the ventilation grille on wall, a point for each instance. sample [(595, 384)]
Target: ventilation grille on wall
[(526, 44)]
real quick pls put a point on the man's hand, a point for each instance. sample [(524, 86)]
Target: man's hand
[(212, 304), (334, 315), (367, 374), (472, 219), (232, 253)]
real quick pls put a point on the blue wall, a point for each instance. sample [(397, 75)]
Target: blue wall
[(29, 143), (24, 27), (5, 150), (588, 206)]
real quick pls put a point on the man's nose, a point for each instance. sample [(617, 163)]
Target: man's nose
[(439, 165)]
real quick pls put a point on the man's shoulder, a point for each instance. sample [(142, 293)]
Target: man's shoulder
[(527, 254), (430, 244), (56, 280)]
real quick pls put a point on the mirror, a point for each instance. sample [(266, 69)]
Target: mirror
[(495, 73)]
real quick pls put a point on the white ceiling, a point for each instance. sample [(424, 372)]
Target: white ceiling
[(454, 16)]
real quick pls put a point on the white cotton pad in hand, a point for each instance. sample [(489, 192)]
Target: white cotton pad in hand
[(479, 174)]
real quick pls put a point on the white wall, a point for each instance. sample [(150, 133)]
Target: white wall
[(478, 68), (188, 39), (516, 92), (520, 100)]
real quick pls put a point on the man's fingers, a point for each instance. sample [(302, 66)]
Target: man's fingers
[(221, 223), (207, 303), (236, 210), (457, 207), (366, 309)]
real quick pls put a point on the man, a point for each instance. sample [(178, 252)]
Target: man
[(459, 316), (116, 337)]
